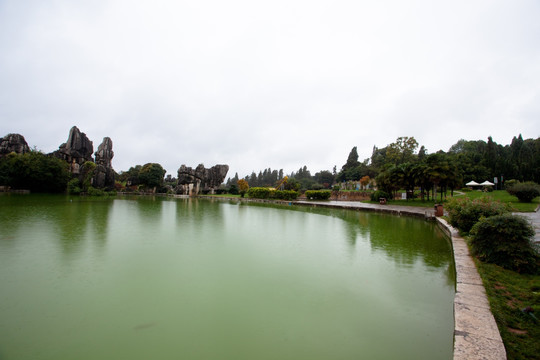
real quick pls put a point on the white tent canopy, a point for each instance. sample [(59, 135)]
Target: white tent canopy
[(472, 183), (487, 183)]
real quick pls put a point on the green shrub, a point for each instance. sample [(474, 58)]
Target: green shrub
[(259, 193), (465, 190), (73, 187), (267, 193), (318, 194), (464, 212), (375, 196), (505, 240), (92, 191), (233, 190), (525, 192), (509, 183), (284, 194)]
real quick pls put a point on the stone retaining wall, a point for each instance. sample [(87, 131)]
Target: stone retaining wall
[(476, 335)]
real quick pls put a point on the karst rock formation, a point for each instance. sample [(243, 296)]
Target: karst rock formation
[(13, 143), (104, 173), (77, 150), (193, 181)]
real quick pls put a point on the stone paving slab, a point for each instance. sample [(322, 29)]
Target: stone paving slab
[(475, 320), (471, 295), (472, 347)]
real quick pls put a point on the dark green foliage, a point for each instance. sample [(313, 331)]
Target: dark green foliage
[(34, 171), (73, 187), (267, 193), (151, 175), (318, 194), (130, 177), (464, 212), (87, 173), (505, 240), (233, 190), (509, 183), (259, 193), (525, 192), (292, 184), (375, 196), (92, 191), (324, 178), (284, 194)]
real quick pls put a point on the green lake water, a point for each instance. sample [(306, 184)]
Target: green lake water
[(158, 278)]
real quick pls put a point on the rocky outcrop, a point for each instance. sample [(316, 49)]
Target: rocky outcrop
[(77, 150), (104, 173), (13, 143), (193, 181)]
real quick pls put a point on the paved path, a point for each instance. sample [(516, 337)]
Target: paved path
[(534, 218)]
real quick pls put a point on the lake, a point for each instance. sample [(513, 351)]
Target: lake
[(162, 278)]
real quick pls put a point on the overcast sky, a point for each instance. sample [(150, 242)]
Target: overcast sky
[(258, 84)]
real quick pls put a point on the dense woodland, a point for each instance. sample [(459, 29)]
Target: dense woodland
[(404, 164)]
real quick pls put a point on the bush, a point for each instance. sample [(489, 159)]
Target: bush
[(266, 193), (284, 194), (525, 192), (92, 191), (464, 213), (259, 193), (318, 194), (233, 190), (505, 240), (73, 187), (509, 183), (375, 196)]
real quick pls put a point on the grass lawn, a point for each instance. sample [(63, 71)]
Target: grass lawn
[(509, 293), (499, 195), (505, 197)]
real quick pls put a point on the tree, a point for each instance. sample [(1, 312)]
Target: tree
[(243, 187), (352, 160), (364, 181), (402, 150), (325, 178), (34, 171), (87, 173), (151, 175)]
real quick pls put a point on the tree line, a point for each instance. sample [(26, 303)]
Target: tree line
[(404, 164)]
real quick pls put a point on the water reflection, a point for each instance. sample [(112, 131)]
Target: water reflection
[(290, 282), (71, 220), (405, 240)]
